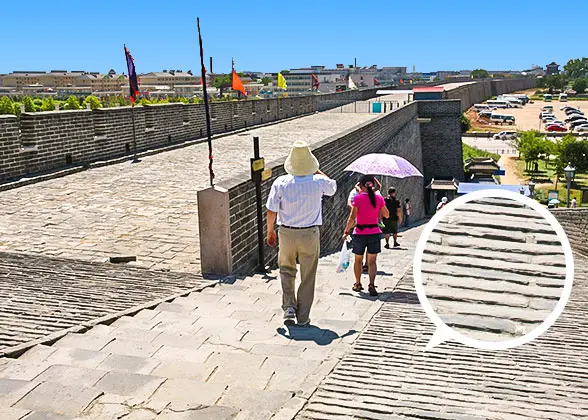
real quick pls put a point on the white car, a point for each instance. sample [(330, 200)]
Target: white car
[(548, 119), (505, 135), (582, 128)]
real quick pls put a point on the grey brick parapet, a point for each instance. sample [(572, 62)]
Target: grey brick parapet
[(575, 224)]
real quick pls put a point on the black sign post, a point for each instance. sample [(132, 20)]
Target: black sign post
[(257, 167)]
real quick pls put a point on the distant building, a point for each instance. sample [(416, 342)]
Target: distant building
[(552, 69), (169, 78)]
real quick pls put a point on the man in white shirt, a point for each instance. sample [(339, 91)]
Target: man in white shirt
[(295, 202)]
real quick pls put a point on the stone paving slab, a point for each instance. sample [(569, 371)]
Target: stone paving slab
[(40, 296), (149, 209), (388, 375)]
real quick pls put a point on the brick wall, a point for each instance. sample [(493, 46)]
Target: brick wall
[(575, 224), (474, 93), (441, 139), (396, 133), (10, 155), (54, 140)]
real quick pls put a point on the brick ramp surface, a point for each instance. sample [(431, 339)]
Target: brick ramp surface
[(40, 296), (493, 269), (387, 374), (222, 353)]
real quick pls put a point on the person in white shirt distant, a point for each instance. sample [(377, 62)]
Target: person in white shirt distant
[(573, 203), (295, 202)]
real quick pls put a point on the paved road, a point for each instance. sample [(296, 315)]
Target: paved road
[(387, 374), (493, 269), (147, 209), (218, 354)]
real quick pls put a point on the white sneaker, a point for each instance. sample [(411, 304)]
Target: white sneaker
[(290, 313)]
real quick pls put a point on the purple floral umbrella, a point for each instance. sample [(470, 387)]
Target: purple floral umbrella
[(384, 164)]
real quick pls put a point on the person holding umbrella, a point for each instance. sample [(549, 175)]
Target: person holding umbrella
[(368, 208)]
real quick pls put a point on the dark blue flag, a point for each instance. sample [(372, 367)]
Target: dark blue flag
[(133, 83)]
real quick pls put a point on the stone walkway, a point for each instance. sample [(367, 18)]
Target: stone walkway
[(222, 353), (387, 374), (147, 209)]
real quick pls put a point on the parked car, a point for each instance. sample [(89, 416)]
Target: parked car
[(549, 118), (578, 123), (572, 118), (558, 122), (546, 114), (573, 111), (505, 135), (555, 128), (582, 128), (564, 108)]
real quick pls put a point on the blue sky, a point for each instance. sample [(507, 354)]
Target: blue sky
[(270, 36)]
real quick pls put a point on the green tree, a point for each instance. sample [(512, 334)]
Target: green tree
[(72, 103), (580, 85), (266, 80), (577, 68), (48, 104), (93, 101), (28, 103), (556, 82), (480, 74), (6, 106)]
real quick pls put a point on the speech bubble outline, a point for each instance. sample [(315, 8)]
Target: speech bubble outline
[(445, 333)]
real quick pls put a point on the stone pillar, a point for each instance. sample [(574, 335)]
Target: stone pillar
[(215, 234)]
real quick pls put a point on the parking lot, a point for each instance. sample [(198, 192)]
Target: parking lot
[(527, 117)]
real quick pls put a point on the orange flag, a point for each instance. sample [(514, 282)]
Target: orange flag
[(237, 84)]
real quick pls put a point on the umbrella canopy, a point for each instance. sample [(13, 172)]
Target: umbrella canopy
[(384, 164), (554, 201)]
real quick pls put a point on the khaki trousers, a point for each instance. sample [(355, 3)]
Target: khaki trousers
[(303, 244)]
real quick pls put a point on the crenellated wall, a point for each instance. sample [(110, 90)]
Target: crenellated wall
[(49, 141)]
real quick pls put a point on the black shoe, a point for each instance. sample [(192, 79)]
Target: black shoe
[(372, 290), (387, 246), (396, 244)]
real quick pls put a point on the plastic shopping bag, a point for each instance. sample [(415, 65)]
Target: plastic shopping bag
[(344, 258)]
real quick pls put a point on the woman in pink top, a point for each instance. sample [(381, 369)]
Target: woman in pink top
[(368, 208)]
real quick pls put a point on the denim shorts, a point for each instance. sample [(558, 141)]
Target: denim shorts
[(371, 242)]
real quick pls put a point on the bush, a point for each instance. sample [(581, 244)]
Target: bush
[(72, 103), (465, 123), (6, 106), (48, 104), (93, 101), (28, 104)]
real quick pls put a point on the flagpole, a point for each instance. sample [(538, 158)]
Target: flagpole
[(135, 160), (207, 111)]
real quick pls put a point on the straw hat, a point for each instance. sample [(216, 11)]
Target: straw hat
[(301, 161)]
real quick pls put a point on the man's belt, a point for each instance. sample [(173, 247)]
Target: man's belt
[(296, 227)]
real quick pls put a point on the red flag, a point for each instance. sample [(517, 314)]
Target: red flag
[(237, 84), (376, 82), (315, 82)]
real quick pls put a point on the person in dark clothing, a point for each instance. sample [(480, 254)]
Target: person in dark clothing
[(391, 223)]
